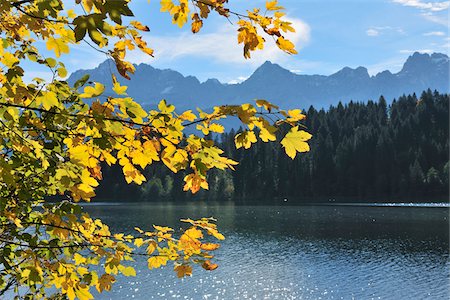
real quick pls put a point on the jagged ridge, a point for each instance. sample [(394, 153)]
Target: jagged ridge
[(272, 82)]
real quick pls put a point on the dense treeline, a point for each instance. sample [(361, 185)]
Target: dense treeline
[(359, 152)]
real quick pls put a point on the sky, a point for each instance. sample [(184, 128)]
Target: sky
[(331, 34)]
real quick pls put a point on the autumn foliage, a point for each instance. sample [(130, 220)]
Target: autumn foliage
[(53, 143)]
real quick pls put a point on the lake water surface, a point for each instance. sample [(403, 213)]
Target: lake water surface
[(298, 252)]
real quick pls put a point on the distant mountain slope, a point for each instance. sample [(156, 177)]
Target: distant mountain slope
[(272, 82)]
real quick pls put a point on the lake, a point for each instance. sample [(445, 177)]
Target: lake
[(298, 252)]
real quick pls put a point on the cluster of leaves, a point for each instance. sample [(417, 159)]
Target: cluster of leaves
[(52, 143), (250, 24), (37, 258)]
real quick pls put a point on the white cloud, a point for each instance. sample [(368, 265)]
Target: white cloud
[(436, 19), (238, 80), (392, 64), (430, 10), (428, 51), (220, 45), (372, 32), (446, 46), (30, 75), (427, 6), (378, 30), (435, 33)]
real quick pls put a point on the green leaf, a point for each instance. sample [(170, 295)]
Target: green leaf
[(117, 9), (82, 81), (51, 62), (93, 24)]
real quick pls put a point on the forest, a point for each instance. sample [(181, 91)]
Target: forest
[(360, 152)]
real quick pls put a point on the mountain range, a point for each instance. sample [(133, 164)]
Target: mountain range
[(274, 83)]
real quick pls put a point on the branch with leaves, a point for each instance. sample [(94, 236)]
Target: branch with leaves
[(55, 138)]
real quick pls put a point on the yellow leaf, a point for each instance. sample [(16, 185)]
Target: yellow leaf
[(216, 234), (266, 104), (58, 45), (138, 242), (272, 5), (183, 270), (82, 271), (127, 271), (166, 5), (162, 228), (151, 247), (286, 45), (164, 108), (71, 14), (70, 293), (93, 91), (8, 59), (216, 128), (295, 141), (79, 259), (194, 233), (209, 246), (295, 115), (156, 262), (48, 100), (197, 23), (62, 72), (245, 139), (187, 116), (194, 182), (139, 26), (268, 134), (207, 265), (83, 293), (105, 282), (117, 88)]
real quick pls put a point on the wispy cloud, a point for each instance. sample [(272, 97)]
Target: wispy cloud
[(238, 80), (378, 30), (405, 51), (372, 32), (435, 33), (220, 45), (296, 71), (431, 11), (446, 45), (436, 19), (393, 64), (427, 6)]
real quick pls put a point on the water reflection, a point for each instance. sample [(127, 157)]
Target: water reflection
[(306, 252)]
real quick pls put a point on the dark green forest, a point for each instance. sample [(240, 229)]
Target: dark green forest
[(359, 152)]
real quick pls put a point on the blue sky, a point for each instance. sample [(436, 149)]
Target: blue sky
[(331, 34)]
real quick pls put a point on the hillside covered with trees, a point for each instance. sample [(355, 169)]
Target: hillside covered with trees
[(359, 152)]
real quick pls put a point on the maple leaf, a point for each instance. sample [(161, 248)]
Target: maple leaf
[(273, 5), (93, 91), (117, 88), (286, 45), (245, 139), (183, 270), (56, 140), (58, 46), (156, 262), (48, 100), (207, 265), (295, 141)]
